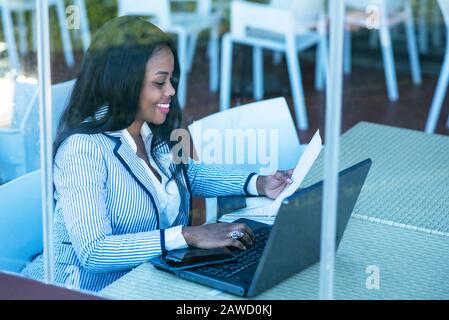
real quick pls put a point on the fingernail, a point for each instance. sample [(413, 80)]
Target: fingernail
[(289, 180)]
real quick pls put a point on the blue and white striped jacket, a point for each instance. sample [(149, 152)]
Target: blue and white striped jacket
[(106, 212)]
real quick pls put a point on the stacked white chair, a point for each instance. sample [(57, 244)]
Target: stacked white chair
[(283, 26)]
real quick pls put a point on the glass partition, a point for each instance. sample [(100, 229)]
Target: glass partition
[(363, 73)]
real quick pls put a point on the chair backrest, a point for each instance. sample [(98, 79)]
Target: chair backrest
[(60, 95), (246, 16), (158, 9), (202, 7), (306, 12), (21, 135), (20, 221), (444, 6), (20, 146), (363, 5), (259, 137), (25, 94)]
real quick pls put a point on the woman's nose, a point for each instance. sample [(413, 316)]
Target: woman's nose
[(170, 90)]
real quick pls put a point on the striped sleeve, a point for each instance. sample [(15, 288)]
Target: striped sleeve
[(216, 180), (80, 177)]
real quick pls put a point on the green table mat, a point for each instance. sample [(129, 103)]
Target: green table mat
[(411, 265), (408, 183)]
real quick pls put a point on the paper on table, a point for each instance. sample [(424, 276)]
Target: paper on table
[(302, 168)]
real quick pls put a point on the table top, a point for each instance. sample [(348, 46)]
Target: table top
[(399, 228)]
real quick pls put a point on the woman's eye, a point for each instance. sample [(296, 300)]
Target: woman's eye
[(161, 84)]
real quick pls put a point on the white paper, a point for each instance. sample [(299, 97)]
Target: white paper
[(259, 207), (302, 168)]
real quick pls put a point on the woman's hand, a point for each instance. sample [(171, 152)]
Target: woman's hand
[(218, 235), (271, 186)]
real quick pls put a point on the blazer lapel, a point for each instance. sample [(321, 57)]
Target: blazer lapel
[(134, 166)]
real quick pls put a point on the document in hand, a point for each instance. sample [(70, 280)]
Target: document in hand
[(263, 208)]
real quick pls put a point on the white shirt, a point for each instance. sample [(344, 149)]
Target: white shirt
[(169, 198)]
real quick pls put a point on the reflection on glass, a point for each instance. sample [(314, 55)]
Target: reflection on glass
[(20, 216)]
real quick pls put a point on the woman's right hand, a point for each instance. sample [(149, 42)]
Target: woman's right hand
[(218, 235)]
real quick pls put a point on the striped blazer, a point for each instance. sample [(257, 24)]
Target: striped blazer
[(106, 214)]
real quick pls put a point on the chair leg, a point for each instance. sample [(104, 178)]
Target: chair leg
[(85, 28), (33, 31), (182, 55), (447, 122), (411, 43), (440, 93), (65, 36), (422, 23), (193, 39), (8, 29), (23, 46), (277, 58), (226, 72), (373, 38), (211, 210), (436, 28), (214, 57), (294, 73), (321, 60), (318, 68), (258, 73), (347, 52), (388, 58)]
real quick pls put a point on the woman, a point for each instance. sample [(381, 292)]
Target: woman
[(120, 199)]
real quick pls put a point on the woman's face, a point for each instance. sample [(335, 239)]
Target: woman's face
[(157, 89)]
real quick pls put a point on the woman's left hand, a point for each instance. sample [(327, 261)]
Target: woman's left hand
[(271, 186)]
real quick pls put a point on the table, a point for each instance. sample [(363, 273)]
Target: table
[(400, 226)]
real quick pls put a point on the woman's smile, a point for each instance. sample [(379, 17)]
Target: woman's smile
[(163, 107)]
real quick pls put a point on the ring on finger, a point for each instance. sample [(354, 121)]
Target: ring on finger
[(236, 234)]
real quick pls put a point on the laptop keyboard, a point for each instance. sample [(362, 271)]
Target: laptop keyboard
[(245, 259)]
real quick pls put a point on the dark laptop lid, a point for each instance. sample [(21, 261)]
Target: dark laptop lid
[(294, 242)]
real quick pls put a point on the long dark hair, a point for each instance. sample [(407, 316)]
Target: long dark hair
[(112, 74)]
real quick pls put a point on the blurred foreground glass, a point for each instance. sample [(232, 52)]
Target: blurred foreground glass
[(28, 122)]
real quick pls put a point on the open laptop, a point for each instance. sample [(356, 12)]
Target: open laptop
[(285, 248)]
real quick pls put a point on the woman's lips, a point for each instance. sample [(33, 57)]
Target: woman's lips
[(163, 107)]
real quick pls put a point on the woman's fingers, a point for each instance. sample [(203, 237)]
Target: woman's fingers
[(247, 230), (235, 243), (284, 175), (246, 239)]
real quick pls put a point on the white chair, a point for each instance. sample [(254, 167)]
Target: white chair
[(20, 221), (19, 144), (391, 12), (443, 79), (271, 143), (288, 27), (8, 7), (186, 26)]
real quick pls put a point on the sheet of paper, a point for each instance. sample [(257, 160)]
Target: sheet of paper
[(259, 207), (302, 168)]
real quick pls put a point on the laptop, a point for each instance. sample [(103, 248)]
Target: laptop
[(285, 248)]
